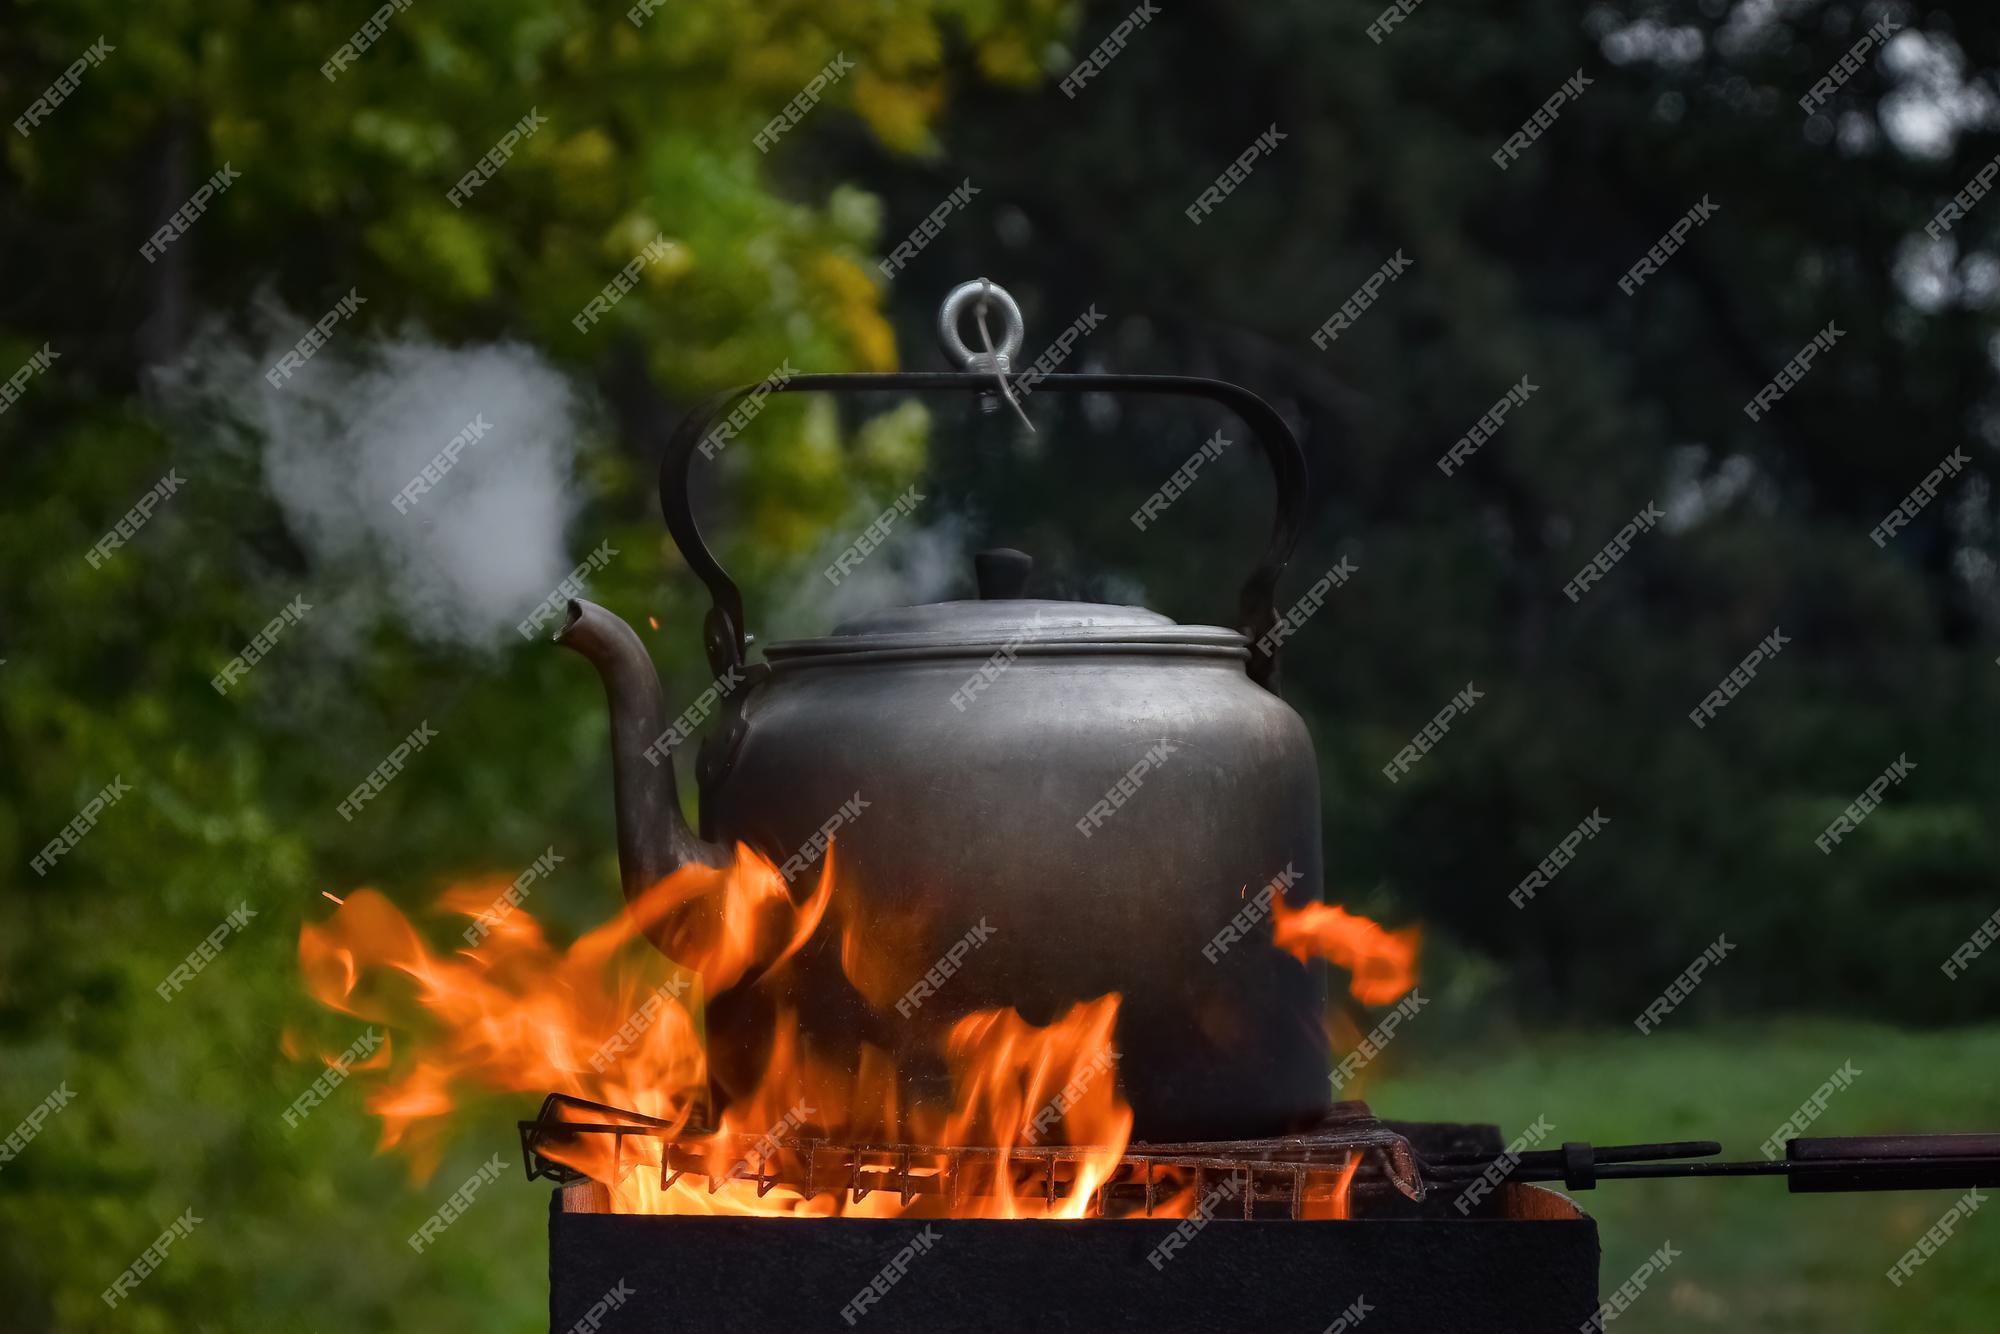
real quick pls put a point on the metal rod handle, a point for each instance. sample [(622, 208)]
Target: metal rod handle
[(1256, 612)]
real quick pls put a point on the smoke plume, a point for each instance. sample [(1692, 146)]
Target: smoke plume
[(437, 479)]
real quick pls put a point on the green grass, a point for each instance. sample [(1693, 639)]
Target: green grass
[(1753, 1256)]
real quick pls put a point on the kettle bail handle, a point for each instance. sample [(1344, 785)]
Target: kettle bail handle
[(697, 433)]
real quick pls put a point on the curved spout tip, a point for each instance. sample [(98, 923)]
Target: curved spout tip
[(573, 612)]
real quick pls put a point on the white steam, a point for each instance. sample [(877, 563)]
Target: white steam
[(348, 433), (910, 567)]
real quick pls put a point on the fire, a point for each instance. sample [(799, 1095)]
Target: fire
[(1383, 962), (1034, 1125)]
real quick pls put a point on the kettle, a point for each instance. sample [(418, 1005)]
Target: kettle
[(1090, 793)]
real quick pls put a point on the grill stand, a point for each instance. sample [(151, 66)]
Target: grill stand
[(1531, 1270)]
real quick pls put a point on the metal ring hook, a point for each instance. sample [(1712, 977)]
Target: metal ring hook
[(981, 292), (984, 291)]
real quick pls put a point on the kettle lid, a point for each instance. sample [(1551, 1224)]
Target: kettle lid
[(1000, 616), (1032, 618)]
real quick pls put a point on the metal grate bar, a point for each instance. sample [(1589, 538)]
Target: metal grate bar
[(1292, 1173)]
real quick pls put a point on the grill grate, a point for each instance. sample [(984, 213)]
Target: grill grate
[(1293, 1176)]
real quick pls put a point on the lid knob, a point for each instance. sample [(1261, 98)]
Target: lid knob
[(1002, 573)]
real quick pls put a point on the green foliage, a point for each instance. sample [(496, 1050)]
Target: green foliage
[(343, 184)]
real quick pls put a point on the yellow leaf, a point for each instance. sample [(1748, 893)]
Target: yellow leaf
[(857, 309), (898, 113)]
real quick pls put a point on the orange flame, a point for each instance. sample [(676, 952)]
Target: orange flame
[(1383, 962), (619, 1017), (614, 1020)]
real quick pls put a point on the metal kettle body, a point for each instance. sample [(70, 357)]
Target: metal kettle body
[(1088, 821), (1060, 799)]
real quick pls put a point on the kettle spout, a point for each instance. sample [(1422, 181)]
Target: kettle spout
[(653, 836)]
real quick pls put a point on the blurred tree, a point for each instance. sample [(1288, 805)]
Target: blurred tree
[(645, 127), (1637, 398)]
